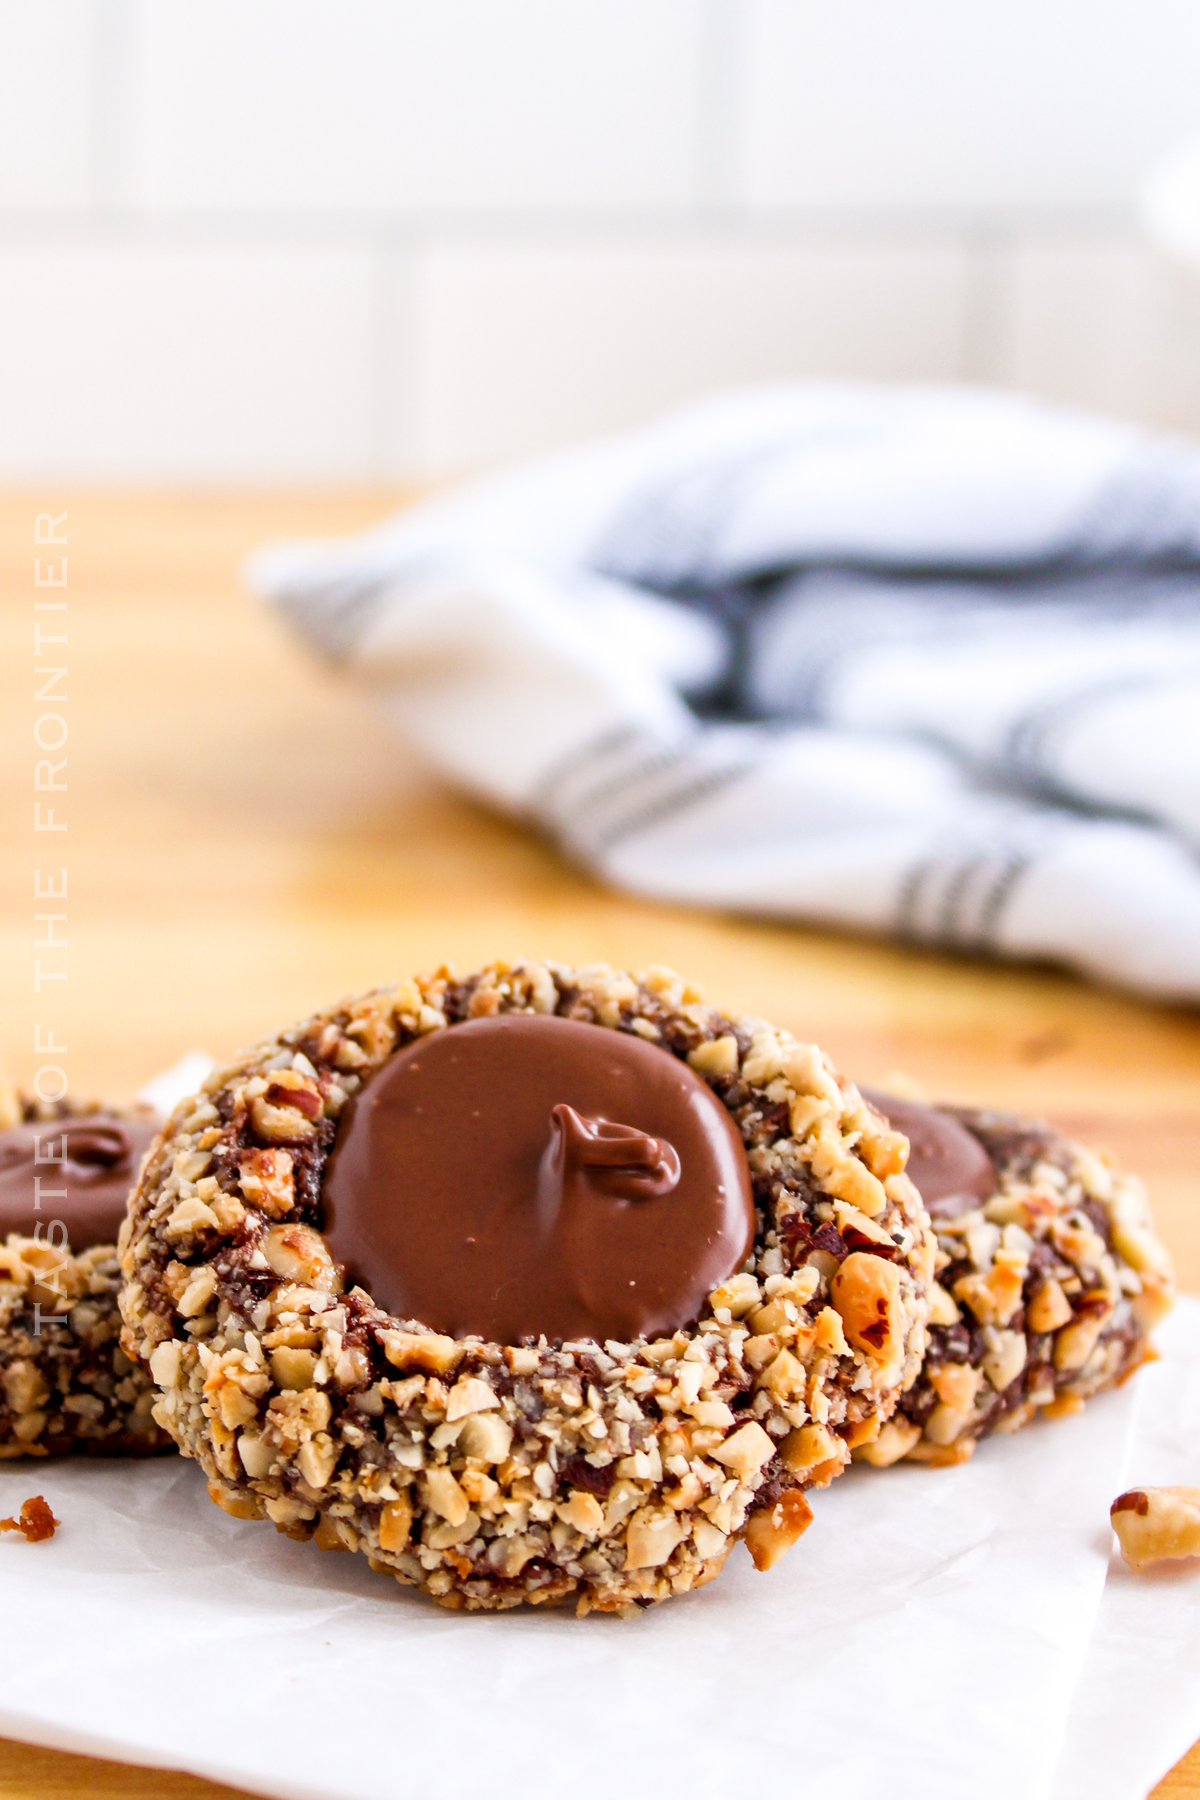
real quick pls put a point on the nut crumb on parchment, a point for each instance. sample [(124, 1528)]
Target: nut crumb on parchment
[(1157, 1524), (35, 1521)]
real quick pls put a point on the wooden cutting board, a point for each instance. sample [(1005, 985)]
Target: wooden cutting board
[(245, 842)]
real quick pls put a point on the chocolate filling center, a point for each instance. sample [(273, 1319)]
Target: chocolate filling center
[(525, 1174), (78, 1169)]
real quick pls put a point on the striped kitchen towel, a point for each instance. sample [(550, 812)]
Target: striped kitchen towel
[(920, 661)]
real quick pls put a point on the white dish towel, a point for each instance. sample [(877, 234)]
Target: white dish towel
[(920, 661)]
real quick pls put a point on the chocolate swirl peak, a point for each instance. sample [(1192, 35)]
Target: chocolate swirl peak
[(78, 1169), (620, 1159), (525, 1174)]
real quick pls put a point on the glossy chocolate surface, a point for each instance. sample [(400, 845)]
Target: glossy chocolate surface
[(948, 1165), (78, 1169), (524, 1174)]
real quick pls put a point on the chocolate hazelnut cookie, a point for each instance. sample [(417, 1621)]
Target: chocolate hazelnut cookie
[(1050, 1278), (545, 1282), (65, 1383)]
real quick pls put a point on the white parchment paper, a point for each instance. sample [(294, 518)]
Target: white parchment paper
[(923, 1639), (1137, 1707), (936, 1632)]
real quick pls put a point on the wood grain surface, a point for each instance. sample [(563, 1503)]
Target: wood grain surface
[(246, 842)]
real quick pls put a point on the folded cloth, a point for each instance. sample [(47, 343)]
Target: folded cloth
[(917, 661)]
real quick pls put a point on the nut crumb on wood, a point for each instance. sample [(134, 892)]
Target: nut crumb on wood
[(35, 1521)]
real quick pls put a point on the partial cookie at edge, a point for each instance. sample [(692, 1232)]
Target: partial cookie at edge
[(65, 1382), (1047, 1293)]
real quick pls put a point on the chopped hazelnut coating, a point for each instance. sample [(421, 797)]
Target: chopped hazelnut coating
[(487, 1474)]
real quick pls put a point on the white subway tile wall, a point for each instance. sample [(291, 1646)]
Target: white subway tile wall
[(529, 345), (184, 362), (402, 107), (962, 104), (320, 240), (47, 117)]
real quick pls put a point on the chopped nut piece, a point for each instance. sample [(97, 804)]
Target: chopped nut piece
[(867, 1293), (651, 1537), (445, 1535), (189, 1217), (267, 1180), (238, 1506), (164, 1362), (745, 1451), (739, 1294), (895, 1440), (395, 1523), (318, 1459), (24, 1386), (942, 1456), (477, 1486), (785, 1377), (293, 1368), (942, 1310), (993, 1297), (804, 1449), (445, 1496), (720, 1057), (1155, 1301), (257, 1456), (1157, 1524), (709, 1540), (957, 1384), (845, 1176), (805, 1111), (772, 1532), (469, 1395), (1005, 1358), (946, 1424), (198, 1292), (485, 1437), (35, 1521), (807, 1070), (298, 1253), (584, 1512), (712, 1415), (1140, 1248), (759, 1351), (1063, 1406), (854, 1224), (831, 1338), (1075, 1342), (279, 1124), (1048, 1308), (415, 1350)]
